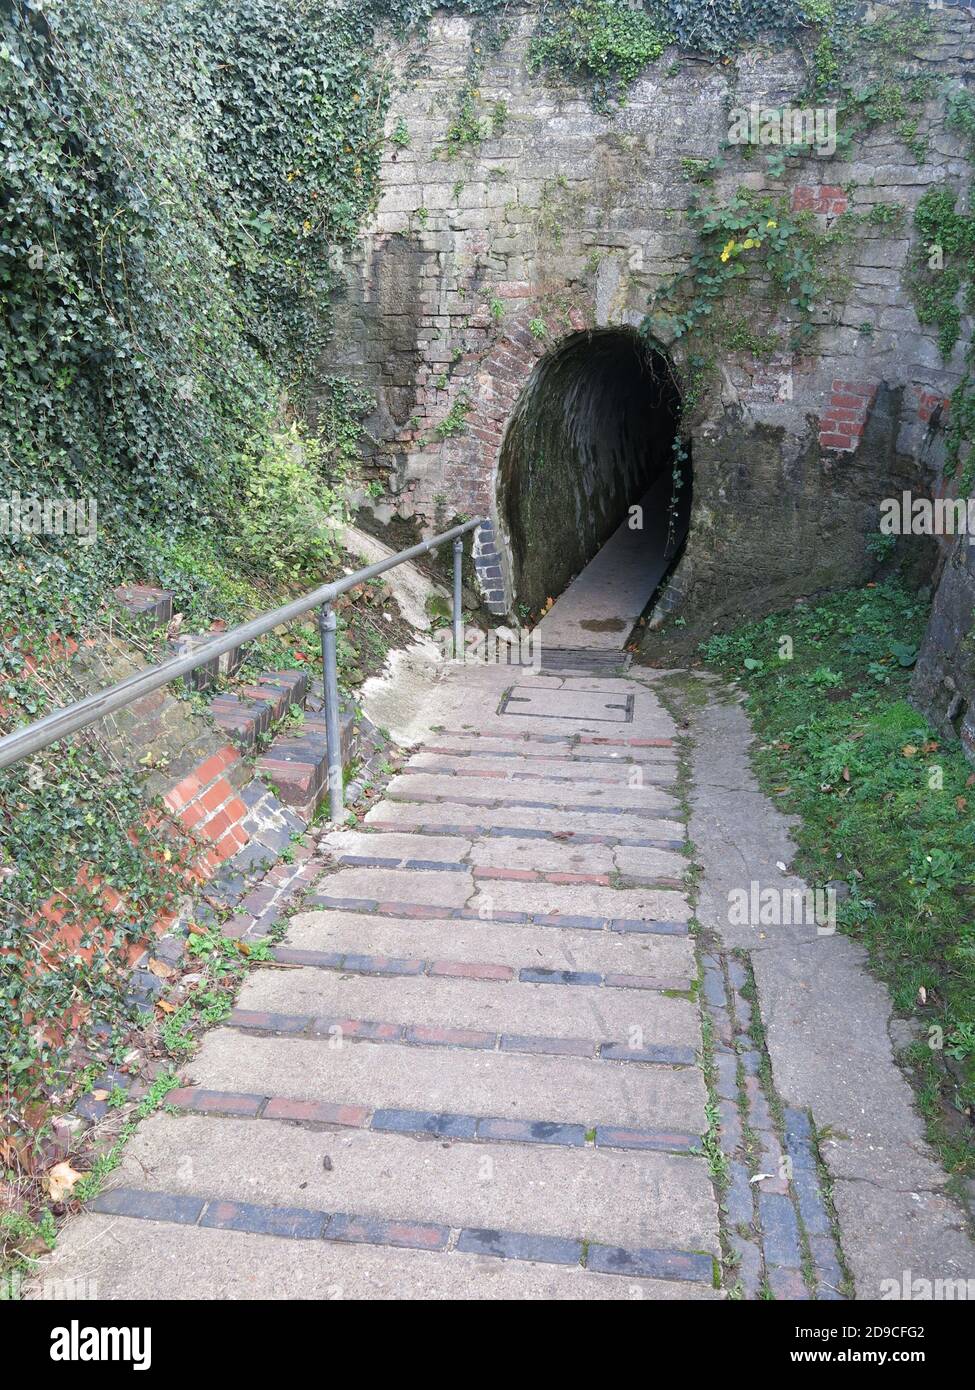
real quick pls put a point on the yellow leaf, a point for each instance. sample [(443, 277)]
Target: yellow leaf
[(909, 750), (60, 1181), (163, 970), (165, 1005)]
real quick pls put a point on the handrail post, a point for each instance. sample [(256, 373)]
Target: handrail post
[(458, 600), (327, 626)]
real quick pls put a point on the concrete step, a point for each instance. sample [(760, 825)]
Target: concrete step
[(628, 904), (445, 889), (404, 892), (558, 1089), (391, 850), (510, 1007), (566, 749), (614, 1197), (455, 811), (526, 771), (190, 1263), (490, 790), (515, 945)]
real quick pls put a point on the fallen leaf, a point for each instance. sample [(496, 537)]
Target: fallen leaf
[(960, 802), (60, 1181), (162, 969), (196, 930), (165, 1005), (922, 995), (846, 774), (99, 1095), (909, 750), (760, 1177)]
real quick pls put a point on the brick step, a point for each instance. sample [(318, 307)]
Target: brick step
[(144, 600), (250, 711), (296, 763)]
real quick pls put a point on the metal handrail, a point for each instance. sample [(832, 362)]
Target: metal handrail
[(23, 743)]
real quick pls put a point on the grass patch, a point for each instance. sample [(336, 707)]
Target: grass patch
[(886, 806)]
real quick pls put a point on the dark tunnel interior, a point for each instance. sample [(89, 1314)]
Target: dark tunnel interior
[(591, 435)]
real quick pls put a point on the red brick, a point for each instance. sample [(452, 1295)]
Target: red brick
[(316, 1112), (191, 815), (215, 1102), (836, 441), (415, 1236), (216, 825), (857, 388), (183, 792), (213, 767), (227, 848), (214, 797)]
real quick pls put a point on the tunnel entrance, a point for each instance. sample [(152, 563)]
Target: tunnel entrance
[(590, 437)]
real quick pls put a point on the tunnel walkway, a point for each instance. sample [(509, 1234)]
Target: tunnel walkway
[(599, 609), (593, 432)]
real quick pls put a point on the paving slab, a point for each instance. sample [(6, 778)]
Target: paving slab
[(615, 1197), (447, 849), (457, 812), (412, 786), (195, 1264), (448, 889), (631, 904), (517, 945), (454, 1079), (826, 1023), (527, 771), (567, 1011)]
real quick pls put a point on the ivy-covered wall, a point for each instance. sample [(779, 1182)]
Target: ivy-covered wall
[(559, 167)]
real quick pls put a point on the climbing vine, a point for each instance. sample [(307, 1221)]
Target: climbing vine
[(751, 237), (608, 43)]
